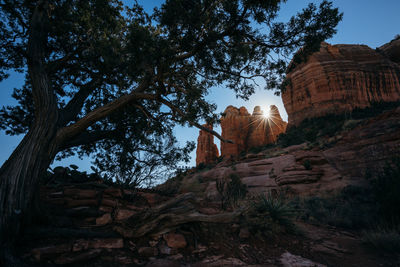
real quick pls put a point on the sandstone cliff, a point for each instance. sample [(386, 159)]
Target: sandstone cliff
[(391, 50), (244, 129), (247, 131), (207, 151), (345, 161), (340, 78)]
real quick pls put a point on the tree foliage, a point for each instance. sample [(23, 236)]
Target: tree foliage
[(123, 78)]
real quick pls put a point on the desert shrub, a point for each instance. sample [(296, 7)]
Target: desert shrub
[(271, 213), (236, 190), (221, 189), (258, 149), (351, 208), (192, 184), (350, 124), (386, 189), (69, 174), (201, 166), (293, 136), (382, 238), (307, 164), (330, 125), (360, 207), (375, 109), (171, 186), (231, 190)]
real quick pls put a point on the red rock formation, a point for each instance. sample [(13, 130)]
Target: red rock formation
[(207, 151), (340, 78), (234, 125), (366, 148), (247, 131), (391, 50)]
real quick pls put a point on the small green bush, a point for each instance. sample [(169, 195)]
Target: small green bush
[(258, 149), (271, 213), (231, 190), (383, 239), (171, 186), (330, 125), (201, 166), (386, 188), (352, 208), (307, 165)]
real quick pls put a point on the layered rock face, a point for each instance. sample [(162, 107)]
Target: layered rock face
[(391, 50), (339, 78), (316, 171), (234, 125), (247, 131), (207, 151)]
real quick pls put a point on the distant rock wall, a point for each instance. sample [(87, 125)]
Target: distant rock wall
[(340, 78), (245, 130), (391, 50), (313, 170), (207, 151)]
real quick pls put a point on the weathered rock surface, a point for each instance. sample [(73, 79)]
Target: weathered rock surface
[(340, 78), (314, 171), (111, 226), (247, 131), (391, 50), (207, 151), (175, 240), (290, 260)]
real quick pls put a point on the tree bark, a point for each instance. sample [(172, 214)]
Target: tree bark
[(168, 216), (19, 178), (19, 175)]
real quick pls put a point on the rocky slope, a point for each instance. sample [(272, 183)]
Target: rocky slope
[(316, 169), (93, 224), (341, 77)]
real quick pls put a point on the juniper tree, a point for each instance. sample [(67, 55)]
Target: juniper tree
[(105, 79)]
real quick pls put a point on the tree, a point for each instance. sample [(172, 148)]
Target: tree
[(114, 81)]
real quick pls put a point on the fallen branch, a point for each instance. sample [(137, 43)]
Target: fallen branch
[(169, 216)]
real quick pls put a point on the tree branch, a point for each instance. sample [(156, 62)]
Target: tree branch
[(74, 106), (193, 123), (101, 112), (87, 138)]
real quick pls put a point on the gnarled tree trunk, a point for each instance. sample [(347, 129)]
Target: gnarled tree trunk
[(19, 178), (19, 175)]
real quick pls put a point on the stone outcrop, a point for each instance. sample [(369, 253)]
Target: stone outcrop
[(89, 223), (247, 131), (391, 50), (312, 170), (207, 151), (339, 78), (234, 124)]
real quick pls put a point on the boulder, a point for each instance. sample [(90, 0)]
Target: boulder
[(175, 240), (103, 220)]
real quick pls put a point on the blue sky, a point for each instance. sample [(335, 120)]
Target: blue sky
[(369, 22)]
